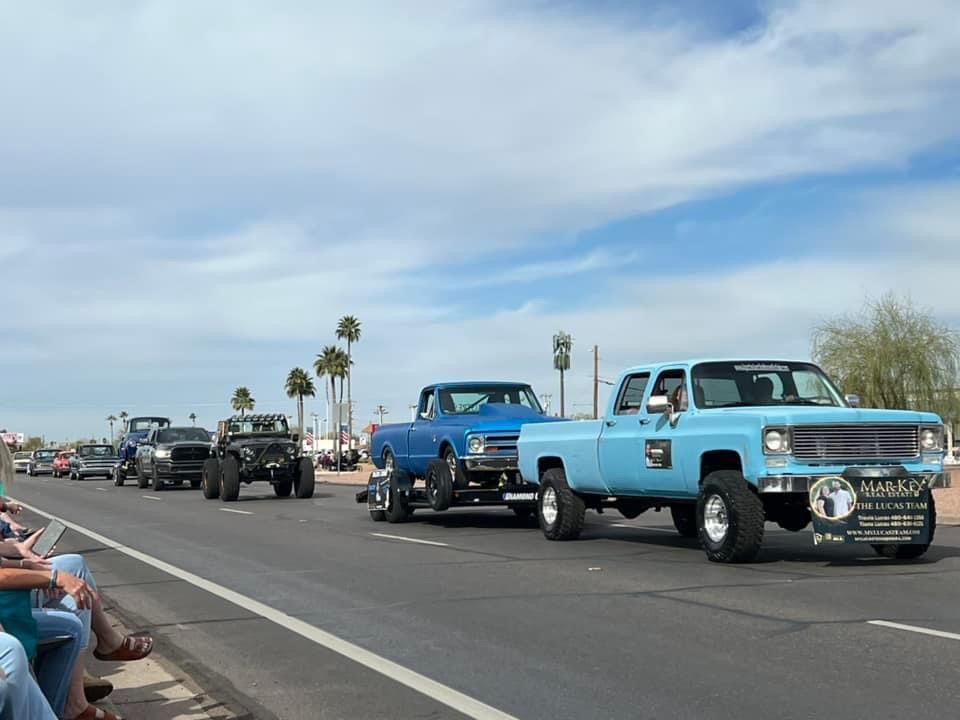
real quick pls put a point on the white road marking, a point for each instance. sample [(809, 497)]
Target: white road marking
[(149, 497), (454, 699), (101, 489), (915, 629), (408, 539), (238, 512)]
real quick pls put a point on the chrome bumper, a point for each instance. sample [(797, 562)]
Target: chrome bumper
[(490, 463), (802, 483)]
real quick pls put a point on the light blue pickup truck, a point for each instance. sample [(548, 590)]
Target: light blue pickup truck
[(728, 445)]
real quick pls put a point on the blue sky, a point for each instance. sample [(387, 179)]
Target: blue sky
[(192, 195)]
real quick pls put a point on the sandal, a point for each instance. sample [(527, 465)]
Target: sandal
[(133, 647), (95, 713)]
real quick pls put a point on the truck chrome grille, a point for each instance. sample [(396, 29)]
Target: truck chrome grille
[(855, 442), (502, 442)]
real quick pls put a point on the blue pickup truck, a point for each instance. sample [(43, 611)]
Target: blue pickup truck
[(463, 444), (728, 445), (137, 430)]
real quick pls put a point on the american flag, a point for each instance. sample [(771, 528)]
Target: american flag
[(344, 435), (308, 438)]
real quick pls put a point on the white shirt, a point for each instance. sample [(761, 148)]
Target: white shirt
[(842, 502)]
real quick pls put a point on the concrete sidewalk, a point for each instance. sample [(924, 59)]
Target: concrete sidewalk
[(155, 689)]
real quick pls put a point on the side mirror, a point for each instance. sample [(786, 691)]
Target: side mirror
[(852, 400), (295, 437), (424, 416), (658, 404)]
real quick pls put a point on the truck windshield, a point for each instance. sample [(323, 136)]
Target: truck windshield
[(247, 427), (190, 434), (468, 400), (742, 384), (143, 424), (95, 451)]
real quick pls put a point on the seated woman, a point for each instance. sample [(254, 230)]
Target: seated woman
[(20, 696)]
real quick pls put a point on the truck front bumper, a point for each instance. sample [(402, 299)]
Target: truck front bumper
[(802, 483), (490, 463)]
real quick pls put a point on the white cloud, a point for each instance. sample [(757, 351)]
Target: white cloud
[(349, 153)]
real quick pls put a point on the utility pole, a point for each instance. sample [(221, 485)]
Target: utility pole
[(381, 411), (596, 381)]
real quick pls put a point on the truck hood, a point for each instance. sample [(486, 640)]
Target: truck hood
[(809, 415), (498, 417)]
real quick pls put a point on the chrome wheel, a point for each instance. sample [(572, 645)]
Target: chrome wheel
[(388, 461), (548, 506), (452, 464), (716, 522)]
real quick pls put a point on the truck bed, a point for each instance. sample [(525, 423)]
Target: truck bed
[(576, 442)]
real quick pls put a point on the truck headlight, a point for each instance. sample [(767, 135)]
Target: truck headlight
[(475, 445), (776, 441), (162, 454), (931, 438), (291, 450), (247, 453)]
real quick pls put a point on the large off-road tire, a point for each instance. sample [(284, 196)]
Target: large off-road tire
[(685, 519), (305, 480), (210, 478), (909, 552), (460, 477), (283, 488), (560, 511), (389, 460), (229, 479), (439, 484), (397, 510), (730, 518), (794, 518), (142, 479), (158, 484), (118, 476)]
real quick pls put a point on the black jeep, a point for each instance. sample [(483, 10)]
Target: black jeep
[(256, 447)]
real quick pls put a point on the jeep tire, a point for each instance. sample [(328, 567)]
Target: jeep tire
[(909, 552), (439, 484), (305, 480), (210, 478), (229, 479), (560, 511), (685, 519), (730, 518)]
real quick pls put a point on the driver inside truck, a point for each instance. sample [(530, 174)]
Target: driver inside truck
[(763, 390)]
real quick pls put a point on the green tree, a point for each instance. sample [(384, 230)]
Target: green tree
[(193, 418), (299, 385), (349, 329), (332, 363), (242, 400), (123, 419), (562, 345), (111, 419), (33, 443), (893, 354)]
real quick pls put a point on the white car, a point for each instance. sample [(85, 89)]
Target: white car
[(21, 460)]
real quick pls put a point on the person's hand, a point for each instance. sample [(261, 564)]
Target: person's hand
[(13, 507), (83, 595), (25, 548)]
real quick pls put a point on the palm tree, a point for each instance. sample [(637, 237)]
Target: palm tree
[(123, 418), (111, 419), (299, 385), (193, 418), (349, 329), (242, 401), (332, 362), (562, 345)]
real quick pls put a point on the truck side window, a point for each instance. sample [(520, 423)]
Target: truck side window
[(672, 383), (426, 403), (631, 396)]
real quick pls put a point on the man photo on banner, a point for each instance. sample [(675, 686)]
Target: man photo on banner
[(842, 500)]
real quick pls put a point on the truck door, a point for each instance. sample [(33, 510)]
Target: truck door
[(659, 463), (421, 439), (621, 441)]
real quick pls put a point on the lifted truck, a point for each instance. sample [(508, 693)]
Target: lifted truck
[(760, 441), (462, 444), (137, 430)]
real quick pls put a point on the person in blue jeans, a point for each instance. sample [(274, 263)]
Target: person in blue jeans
[(20, 696)]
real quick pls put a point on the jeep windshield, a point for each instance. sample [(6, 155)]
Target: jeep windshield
[(145, 424), (255, 427), (95, 451), (175, 435), (747, 384), (468, 400)]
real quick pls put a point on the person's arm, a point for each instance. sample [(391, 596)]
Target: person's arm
[(48, 580)]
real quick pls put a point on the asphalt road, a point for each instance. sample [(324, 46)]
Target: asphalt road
[(629, 622)]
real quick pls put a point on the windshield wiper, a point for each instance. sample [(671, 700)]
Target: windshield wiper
[(738, 403)]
